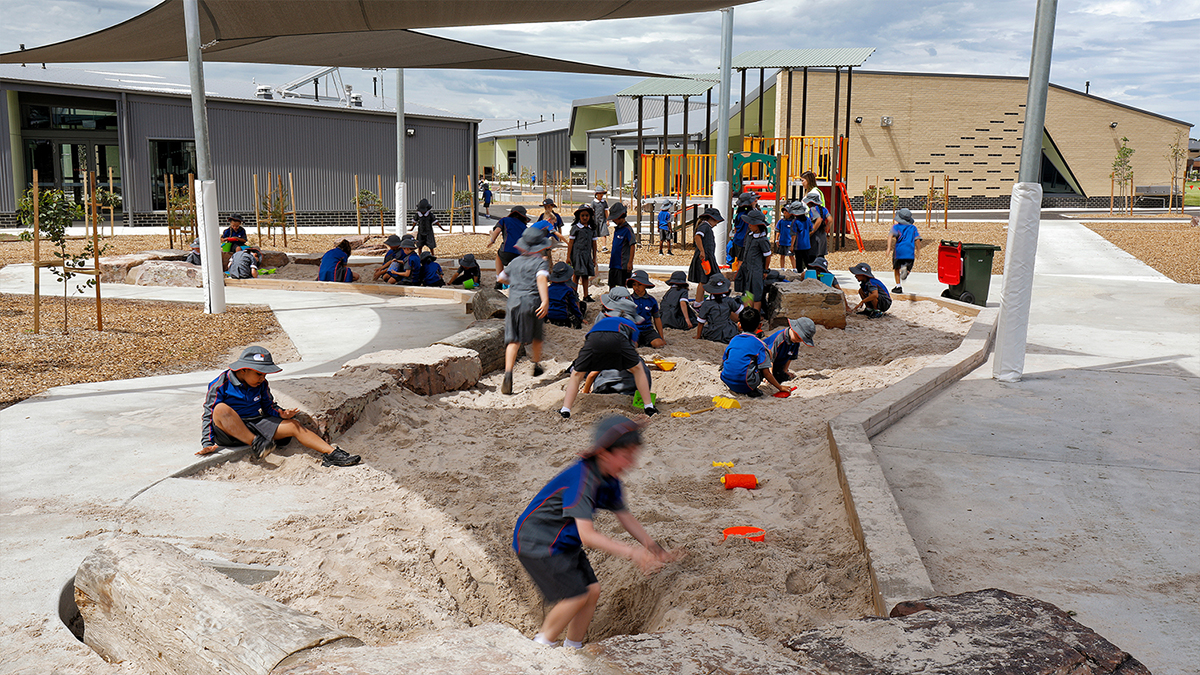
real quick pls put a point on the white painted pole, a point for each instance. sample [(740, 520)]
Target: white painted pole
[(1012, 329), (721, 190), (401, 138), (211, 273)]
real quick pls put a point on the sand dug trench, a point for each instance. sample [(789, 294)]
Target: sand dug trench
[(419, 539)]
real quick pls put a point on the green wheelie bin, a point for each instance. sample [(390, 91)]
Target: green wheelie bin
[(967, 269)]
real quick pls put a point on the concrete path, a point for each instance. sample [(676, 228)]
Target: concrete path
[(1081, 484), (76, 455)]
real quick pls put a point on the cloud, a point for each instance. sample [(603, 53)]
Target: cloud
[(1128, 49)]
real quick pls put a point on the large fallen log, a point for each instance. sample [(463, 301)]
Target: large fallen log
[(486, 338), (145, 602)]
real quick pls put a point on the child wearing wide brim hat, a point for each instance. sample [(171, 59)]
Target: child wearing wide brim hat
[(468, 270), (677, 309), (581, 249), (550, 221), (610, 344), (528, 279), (664, 227), (424, 222), (650, 334), (512, 227), (405, 269), (552, 532), (784, 345), (872, 292), (717, 316), (239, 410), (600, 216), (565, 309), (393, 244), (705, 256)]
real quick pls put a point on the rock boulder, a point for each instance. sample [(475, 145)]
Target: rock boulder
[(989, 631), (811, 298), (485, 338), (429, 370), (165, 273), (489, 303), (276, 259)]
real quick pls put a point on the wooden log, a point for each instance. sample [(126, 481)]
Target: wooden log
[(485, 338), (145, 602), (489, 303)]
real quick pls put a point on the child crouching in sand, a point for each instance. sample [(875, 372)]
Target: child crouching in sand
[(557, 525)]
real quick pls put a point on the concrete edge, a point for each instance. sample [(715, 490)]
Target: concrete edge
[(462, 297), (216, 459), (894, 565)]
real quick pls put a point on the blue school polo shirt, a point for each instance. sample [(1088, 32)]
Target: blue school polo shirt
[(744, 357), (513, 228), (622, 247), (803, 229), (245, 400), (785, 232), (547, 526), (616, 324), (906, 241), (647, 306), (564, 302)]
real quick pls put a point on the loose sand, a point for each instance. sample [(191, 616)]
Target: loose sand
[(420, 539)]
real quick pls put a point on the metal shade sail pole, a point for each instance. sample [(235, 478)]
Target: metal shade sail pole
[(212, 273), (401, 138), (720, 190), (1025, 211)]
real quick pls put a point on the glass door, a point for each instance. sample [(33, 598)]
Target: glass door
[(73, 161), (39, 154), (108, 157)]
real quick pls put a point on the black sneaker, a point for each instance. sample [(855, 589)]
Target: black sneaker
[(588, 298), (499, 286), (897, 290), (874, 314), (261, 446), (566, 414), (340, 457), (650, 411), (506, 386), (537, 369)]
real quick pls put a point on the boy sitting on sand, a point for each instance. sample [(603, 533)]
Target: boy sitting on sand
[(564, 302), (650, 333), (611, 344), (874, 293), (468, 269), (784, 345), (405, 269), (239, 410), (431, 270), (552, 532), (717, 319), (747, 361)]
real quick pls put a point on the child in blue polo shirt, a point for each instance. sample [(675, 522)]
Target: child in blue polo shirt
[(801, 235), (620, 262), (239, 410), (783, 235), (651, 330), (784, 345), (431, 270), (664, 228), (873, 292), (552, 532), (512, 227), (611, 344), (904, 244), (747, 361), (234, 237), (405, 269), (564, 301)]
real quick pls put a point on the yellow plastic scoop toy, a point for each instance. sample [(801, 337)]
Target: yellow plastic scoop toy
[(718, 402)]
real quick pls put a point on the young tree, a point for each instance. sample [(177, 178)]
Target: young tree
[(56, 213), (1122, 169), (1177, 151)]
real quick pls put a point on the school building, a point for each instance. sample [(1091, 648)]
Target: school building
[(66, 122)]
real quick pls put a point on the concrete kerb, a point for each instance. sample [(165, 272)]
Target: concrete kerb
[(894, 566)]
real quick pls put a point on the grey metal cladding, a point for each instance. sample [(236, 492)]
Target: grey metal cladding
[(554, 153), (7, 202)]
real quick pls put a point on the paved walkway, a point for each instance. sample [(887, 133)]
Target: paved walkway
[(75, 455), (1081, 484)]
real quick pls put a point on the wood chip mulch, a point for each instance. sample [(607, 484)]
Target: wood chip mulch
[(1170, 248)]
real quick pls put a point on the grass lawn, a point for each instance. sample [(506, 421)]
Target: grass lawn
[(1191, 193)]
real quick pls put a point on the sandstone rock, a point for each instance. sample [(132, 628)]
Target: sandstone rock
[(114, 269), (990, 631), (489, 303), (707, 649), (307, 258), (485, 338), (168, 253), (274, 259), (165, 273), (329, 405), (811, 298), (429, 370)]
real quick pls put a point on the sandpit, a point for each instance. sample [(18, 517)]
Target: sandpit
[(418, 539)]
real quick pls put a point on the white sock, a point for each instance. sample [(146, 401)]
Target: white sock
[(573, 644), (565, 409), (543, 640)]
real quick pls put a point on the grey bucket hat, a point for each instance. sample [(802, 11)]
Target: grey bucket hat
[(717, 285), (905, 216), (532, 240), (408, 242), (863, 269), (600, 191), (713, 214), (819, 264), (468, 261), (678, 278), (617, 211), (561, 272), (195, 243), (257, 359), (392, 240), (747, 197), (585, 207), (614, 431), (805, 328), (642, 278), (798, 208), (520, 212), (756, 217), (626, 308), (614, 293)]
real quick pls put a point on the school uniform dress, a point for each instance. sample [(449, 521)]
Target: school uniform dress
[(696, 273), (620, 261), (425, 238), (335, 266), (609, 345), (254, 405), (521, 323), (192, 258), (647, 307), (672, 314), (600, 217), (512, 229), (582, 259), (742, 363), (754, 263), (714, 316), (546, 537), (564, 305)]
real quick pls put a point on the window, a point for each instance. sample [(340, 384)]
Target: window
[(578, 159), (169, 158), (67, 118)]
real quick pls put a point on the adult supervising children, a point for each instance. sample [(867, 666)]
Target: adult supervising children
[(552, 532), (511, 227), (904, 244), (239, 410), (528, 279), (704, 260), (620, 261)]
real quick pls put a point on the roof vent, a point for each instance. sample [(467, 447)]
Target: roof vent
[(264, 92), (356, 100)]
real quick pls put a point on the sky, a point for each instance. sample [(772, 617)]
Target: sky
[(1134, 52)]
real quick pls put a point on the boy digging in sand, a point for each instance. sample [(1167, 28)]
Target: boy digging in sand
[(239, 410), (557, 525)]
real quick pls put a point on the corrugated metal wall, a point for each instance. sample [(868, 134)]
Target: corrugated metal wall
[(554, 153), (8, 201), (601, 164), (323, 150), (528, 155)]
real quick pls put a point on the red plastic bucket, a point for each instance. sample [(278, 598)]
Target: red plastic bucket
[(740, 480), (745, 532)]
